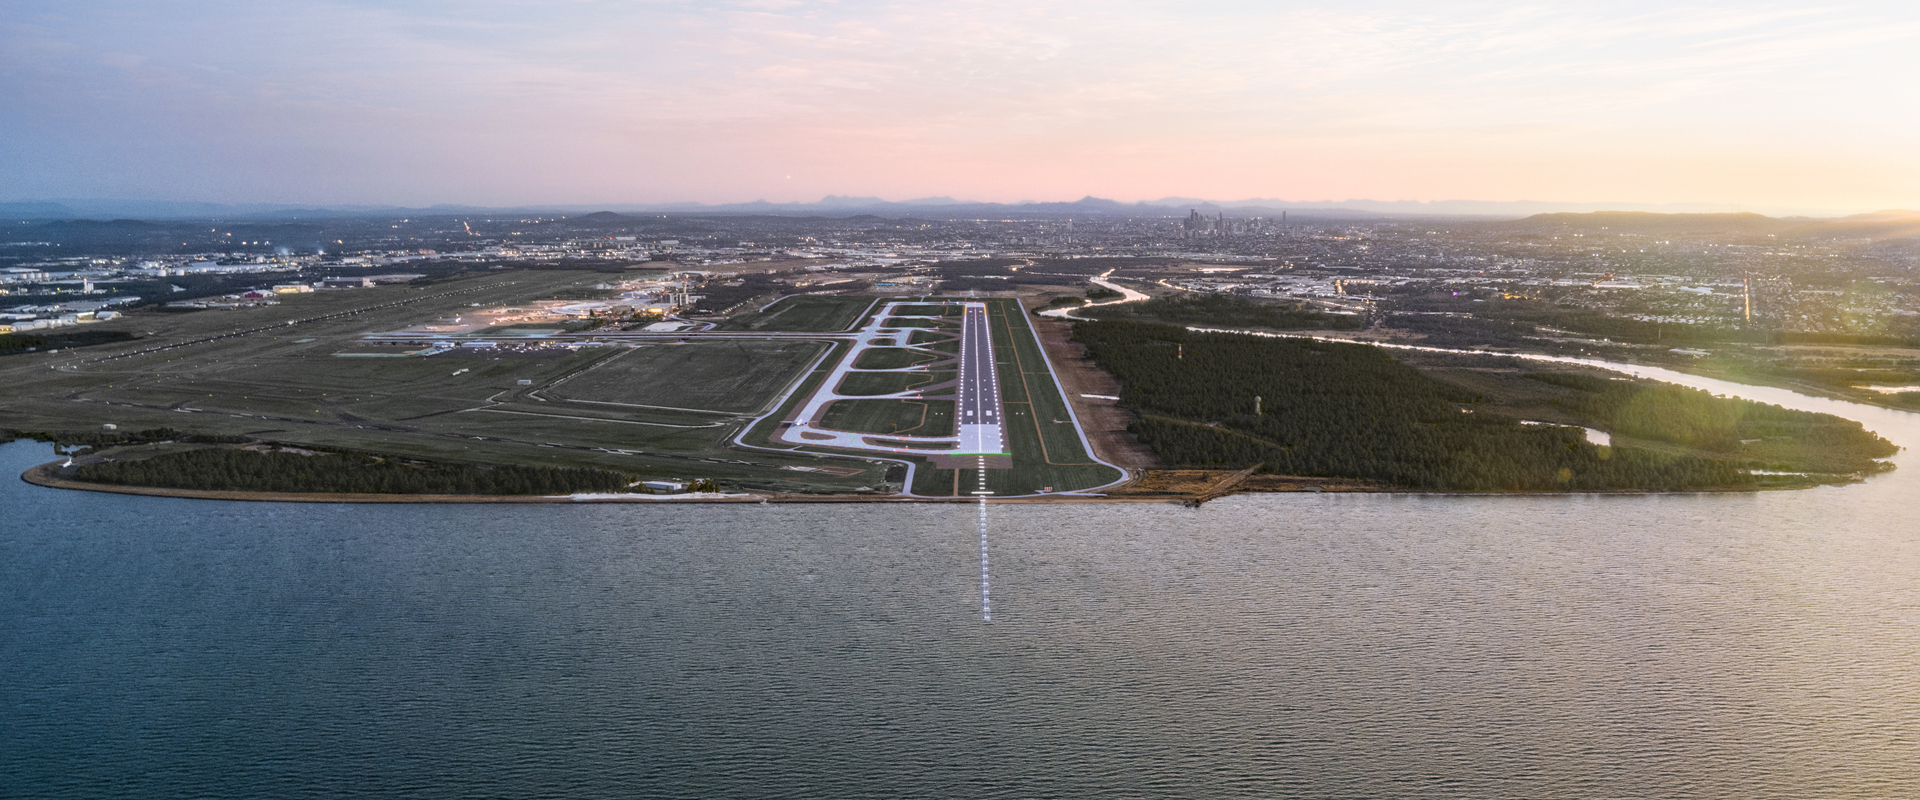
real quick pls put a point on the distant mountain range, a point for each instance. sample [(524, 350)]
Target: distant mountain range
[(310, 228), (838, 206), (1884, 224)]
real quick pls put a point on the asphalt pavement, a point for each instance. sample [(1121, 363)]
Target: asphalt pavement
[(979, 404)]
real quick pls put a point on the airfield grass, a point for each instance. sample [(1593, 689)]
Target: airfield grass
[(1039, 428), (1046, 453), (926, 338), (806, 313), (906, 417), (657, 417), (914, 445), (524, 328), (929, 310), (730, 376), (894, 358), (491, 438), (284, 384), (671, 454), (933, 482), (403, 376), (869, 383), (538, 429), (761, 433), (390, 389), (925, 324)]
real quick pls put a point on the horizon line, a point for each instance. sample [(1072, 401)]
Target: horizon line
[(852, 202)]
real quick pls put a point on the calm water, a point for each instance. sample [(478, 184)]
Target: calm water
[(1313, 646)]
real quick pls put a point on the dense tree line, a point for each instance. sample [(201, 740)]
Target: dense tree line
[(1617, 328), (1896, 339), (1677, 414), (1096, 266), (718, 296), (979, 266), (1342, 410), (974, 283), (225, 469), (1003, 273), (1223, 310), (1496, 319), (107, 438), (1444, 330), (1835, 376), (20, 342)]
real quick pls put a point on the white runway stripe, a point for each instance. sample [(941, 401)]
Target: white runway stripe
[(986, 586)]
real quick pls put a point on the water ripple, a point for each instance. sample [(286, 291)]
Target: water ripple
[(1282, 646)]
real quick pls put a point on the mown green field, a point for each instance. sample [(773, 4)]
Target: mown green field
[(737, 376), (929, 310), (904, 417), (806, 313), (1047, 451), (893, 358), (285, 384), (1046, 447), (870, 383), (1040, 432)]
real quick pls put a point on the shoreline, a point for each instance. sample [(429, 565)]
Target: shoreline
[(46, 475), (1807, 388), (50, 475)]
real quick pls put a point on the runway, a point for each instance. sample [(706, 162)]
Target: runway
[(979, 404)]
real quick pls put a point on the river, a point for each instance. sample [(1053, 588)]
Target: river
[(1295, 646)]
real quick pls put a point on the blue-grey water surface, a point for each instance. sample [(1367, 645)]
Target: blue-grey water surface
[(1311, 646)]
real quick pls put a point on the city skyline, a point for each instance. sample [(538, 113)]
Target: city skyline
[(1776, 109)]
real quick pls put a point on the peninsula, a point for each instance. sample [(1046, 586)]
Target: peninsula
[(852, 376)]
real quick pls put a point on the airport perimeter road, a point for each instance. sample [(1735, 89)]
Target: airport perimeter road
[(979, 386)]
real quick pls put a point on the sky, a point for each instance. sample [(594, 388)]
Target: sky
[(1790, 107)]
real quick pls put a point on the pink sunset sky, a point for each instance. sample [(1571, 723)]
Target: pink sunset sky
[(1794, 108)]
